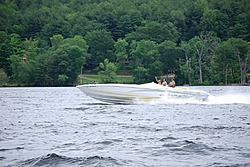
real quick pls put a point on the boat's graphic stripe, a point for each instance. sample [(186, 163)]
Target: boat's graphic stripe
[(112, 93)]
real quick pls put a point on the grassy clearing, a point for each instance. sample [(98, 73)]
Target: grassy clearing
[(96, 78)]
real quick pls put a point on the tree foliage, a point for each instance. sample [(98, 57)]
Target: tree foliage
[(200, 41), (107, 72)]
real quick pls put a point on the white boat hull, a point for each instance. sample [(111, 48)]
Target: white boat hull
[(130, 93)]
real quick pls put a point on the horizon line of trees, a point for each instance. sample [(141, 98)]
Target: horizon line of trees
[(203, 42)]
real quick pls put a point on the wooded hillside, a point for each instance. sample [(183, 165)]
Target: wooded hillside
[(203, 42)]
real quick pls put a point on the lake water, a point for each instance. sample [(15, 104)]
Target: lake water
[(61, 126)]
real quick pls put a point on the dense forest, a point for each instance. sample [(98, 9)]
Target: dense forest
[(202, 42)]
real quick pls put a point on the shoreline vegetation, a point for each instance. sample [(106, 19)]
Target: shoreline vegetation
[(199, 42), (86, 79)]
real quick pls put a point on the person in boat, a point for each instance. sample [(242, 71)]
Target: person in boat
[(164, 82), (158, 81), (172, 83)]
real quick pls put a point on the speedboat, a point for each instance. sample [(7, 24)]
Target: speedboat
[(132, 93)]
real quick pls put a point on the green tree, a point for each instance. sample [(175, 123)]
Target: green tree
[(223, 25), (154, 31), (121, 51), (169, 53), (23, 72), (81, 24), (28, 72), (128, 18), (209, 21), (223, 64), (42, 69), (22, 60), (241, 51), (33, 20), (77, 41), (5, 52), (108, 71), (232, 60), (56, 41), (16, 67), (185, 63), (141, 75), (15, 47), (31, 48), (8, 16), (62, 79), (204, 47), (178, 19), (145, 60), (66, 60), (101, 46), (194, 13), (16, 44), (57, 26)]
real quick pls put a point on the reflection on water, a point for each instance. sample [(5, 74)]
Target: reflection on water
[(63, 127)]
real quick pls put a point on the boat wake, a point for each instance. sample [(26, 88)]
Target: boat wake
[(221, 99), (229, 99)]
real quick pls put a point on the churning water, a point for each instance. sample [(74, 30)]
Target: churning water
[(63, 127)]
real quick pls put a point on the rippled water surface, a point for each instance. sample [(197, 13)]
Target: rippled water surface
[(63, 127)]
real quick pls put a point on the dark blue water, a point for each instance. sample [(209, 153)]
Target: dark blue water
[(63, 127)]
